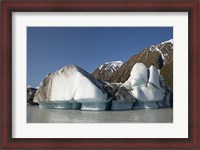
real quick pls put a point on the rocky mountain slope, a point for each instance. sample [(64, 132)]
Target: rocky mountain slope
[(160, 55), (167, 73), (104, 71)]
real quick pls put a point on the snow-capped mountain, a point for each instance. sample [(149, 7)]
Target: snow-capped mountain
[(104, 71), (111, 66), (160, 55), (165, 49)]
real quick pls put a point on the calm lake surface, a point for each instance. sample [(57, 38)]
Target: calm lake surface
[(39, 115)]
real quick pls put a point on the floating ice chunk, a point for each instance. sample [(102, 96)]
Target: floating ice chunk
[(70, 83), (141, 87)]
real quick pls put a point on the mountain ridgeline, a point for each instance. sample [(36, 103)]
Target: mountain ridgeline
[(103, 72), (160, 55)]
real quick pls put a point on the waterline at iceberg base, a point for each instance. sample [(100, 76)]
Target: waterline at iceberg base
[(98, 106), (68, 105), (72, 105)]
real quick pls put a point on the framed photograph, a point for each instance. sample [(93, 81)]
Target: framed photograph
[(100, 74)]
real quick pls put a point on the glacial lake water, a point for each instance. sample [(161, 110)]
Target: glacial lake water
[(39, 115)]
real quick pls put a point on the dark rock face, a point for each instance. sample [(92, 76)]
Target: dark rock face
[(30, 96), (168, 99), (72, 83)]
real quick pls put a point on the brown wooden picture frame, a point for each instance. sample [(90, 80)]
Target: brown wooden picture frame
[(9, 6)]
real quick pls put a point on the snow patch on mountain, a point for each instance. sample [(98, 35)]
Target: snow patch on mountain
[(162, 55), (169, 41), (158, 48), (111, 66), (152, 48)]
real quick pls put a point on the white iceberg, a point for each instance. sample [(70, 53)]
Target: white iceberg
[(73, 88), (143, 87), (124, 98), (71, 83)]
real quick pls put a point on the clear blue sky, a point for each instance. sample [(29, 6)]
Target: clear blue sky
[(51, 48)]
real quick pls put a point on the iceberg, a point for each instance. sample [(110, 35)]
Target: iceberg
[(144, 87), (124, 99), (71, 83), (71, 87)]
